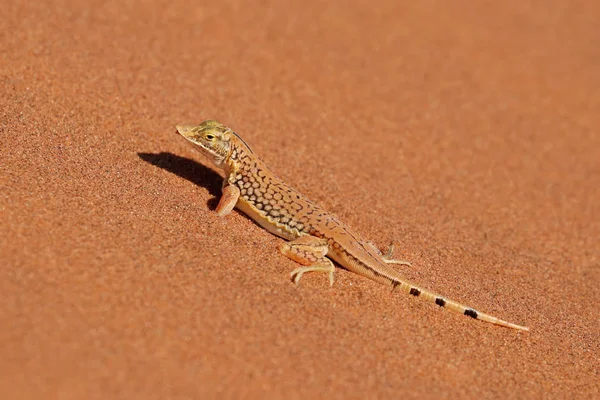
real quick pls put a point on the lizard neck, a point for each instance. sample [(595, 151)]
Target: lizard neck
[(240, 154)]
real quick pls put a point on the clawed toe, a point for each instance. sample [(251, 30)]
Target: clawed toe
[(298, 272)]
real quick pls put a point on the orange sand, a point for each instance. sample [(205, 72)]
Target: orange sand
[(465, 132)]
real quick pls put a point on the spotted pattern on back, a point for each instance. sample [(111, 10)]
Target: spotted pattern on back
[(268, 194)]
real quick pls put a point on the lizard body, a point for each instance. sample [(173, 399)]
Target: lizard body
[(315, 236)]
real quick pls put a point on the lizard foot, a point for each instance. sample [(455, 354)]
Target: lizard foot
[(387, 257), (309, 251), (298, 272)]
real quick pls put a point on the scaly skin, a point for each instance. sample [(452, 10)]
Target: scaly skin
[(313, 233)]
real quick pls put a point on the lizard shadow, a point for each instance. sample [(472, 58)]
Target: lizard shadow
[(188, 169)]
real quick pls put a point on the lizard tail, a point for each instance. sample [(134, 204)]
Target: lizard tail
[(441, 301), (379, 271)]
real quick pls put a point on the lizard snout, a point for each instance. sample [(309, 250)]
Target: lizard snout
[(183, 129)]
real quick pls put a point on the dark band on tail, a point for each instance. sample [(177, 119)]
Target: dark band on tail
[(437, 299)]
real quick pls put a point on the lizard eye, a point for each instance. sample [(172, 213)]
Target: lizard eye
[(209, 137)]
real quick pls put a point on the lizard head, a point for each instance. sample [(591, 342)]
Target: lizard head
[(212, 138)]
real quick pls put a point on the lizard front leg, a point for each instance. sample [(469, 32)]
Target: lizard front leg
[(309, 251), (228, 200)]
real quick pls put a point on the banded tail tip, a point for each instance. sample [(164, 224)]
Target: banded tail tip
[(469, 312), (507, 324), (518, 327)]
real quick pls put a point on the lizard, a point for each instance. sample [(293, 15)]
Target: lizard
[(314, 237)]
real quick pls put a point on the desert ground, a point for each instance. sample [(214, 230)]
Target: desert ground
[(465, 133)]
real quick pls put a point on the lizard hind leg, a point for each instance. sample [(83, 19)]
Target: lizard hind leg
[(387, 256), (309, 251)]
